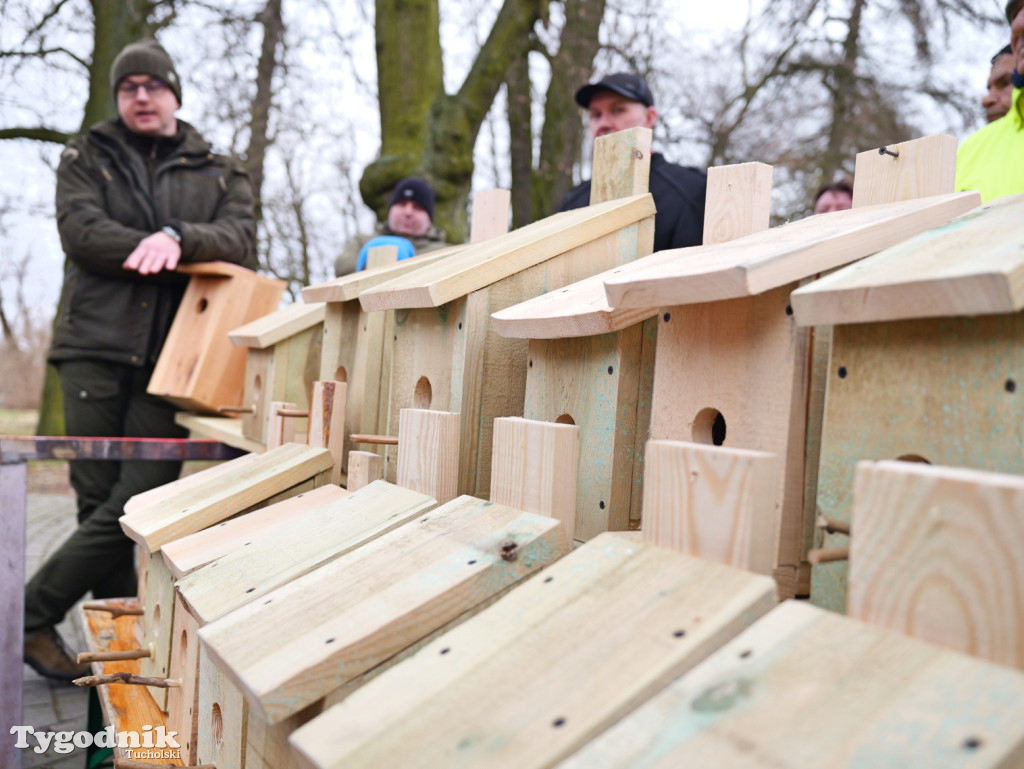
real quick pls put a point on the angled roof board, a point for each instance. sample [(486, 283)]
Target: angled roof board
[(766, 260)]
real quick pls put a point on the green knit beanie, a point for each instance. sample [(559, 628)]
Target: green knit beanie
[(146, 57)]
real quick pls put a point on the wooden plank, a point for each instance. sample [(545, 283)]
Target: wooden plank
[(938, 554), (327, 422), (198, 368), (714, 502), (805, 687), (972, 266), (13, 509), (745, 361), (594, 382), (911, 169), (322, 535), (428, 453), (278, 326), (157, 624), (125, 708), (349, 287), (621, 165), (319, 632), (364, 467), (223, 715), (536, 675), (183, 701), (739, 199), (486, 263), (281, 429), (489, 217), (204, 505), (381, 256), (533, 468), (224, 429), (763, 261), (946, 390), (207, 474), (183, 556)]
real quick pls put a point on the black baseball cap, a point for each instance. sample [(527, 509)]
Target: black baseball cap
[(626, 84)]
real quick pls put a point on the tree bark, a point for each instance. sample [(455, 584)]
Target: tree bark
[(273, 31)]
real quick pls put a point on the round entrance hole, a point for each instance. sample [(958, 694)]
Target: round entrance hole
[(913, 458), (565, 419), (709, 427), (341, 375), (423, 394)]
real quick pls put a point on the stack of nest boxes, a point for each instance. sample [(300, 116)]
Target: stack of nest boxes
[(457, 626)]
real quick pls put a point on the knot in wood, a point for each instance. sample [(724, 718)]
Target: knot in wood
[(508, 550)]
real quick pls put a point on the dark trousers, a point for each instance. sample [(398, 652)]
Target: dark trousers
[(104, 400)]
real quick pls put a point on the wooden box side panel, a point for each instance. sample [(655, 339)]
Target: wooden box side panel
[(947, 391)]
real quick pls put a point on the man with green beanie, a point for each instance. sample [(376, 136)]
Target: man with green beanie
[(136, 196), (991, 160)]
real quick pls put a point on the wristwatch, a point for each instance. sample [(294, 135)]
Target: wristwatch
[(169, 230)]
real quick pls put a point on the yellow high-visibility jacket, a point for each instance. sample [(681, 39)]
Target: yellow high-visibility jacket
[(991, 160)]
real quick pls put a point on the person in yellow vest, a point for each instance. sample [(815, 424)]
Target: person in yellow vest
[(991, 160)]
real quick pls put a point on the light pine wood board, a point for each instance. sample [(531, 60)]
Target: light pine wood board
[(486, 263), (223, 717), (325, 629), (203, 505), (323, 534), (596, 382), (911, 169), (804, 687), (533, 468), (764, 261), (745, 359), (452, 353), (198, 368), (278, 326), (349, 287), (428, 453), (283, 372), (947, 390), (738, 204), (938, 554), (183, 556), (183, 701), (224, 429), (973, 265), (621, 164), (364, 467), (713, 502), (489, 216), (160, 493), (357, 350), (539, 673), (327, 422), (156, 626)]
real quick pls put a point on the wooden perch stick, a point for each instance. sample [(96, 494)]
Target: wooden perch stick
[(292, 412), (128, 763), (828, 555), (833, 526), (127, 678), (131, 654), (387, 440), (114, 610)]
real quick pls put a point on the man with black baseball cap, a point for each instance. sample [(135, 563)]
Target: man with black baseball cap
[(410, 227), (991, 160), (622, 100)]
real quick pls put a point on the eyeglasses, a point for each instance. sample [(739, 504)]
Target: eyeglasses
[(151, 87)]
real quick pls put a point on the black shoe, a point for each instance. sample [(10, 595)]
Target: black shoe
[(46, 654)]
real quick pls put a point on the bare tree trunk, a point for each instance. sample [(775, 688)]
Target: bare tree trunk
[(562, 135), (424, 131), (273, 31), (520, 124)]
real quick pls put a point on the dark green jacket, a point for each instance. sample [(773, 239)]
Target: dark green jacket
[(109, 197)]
